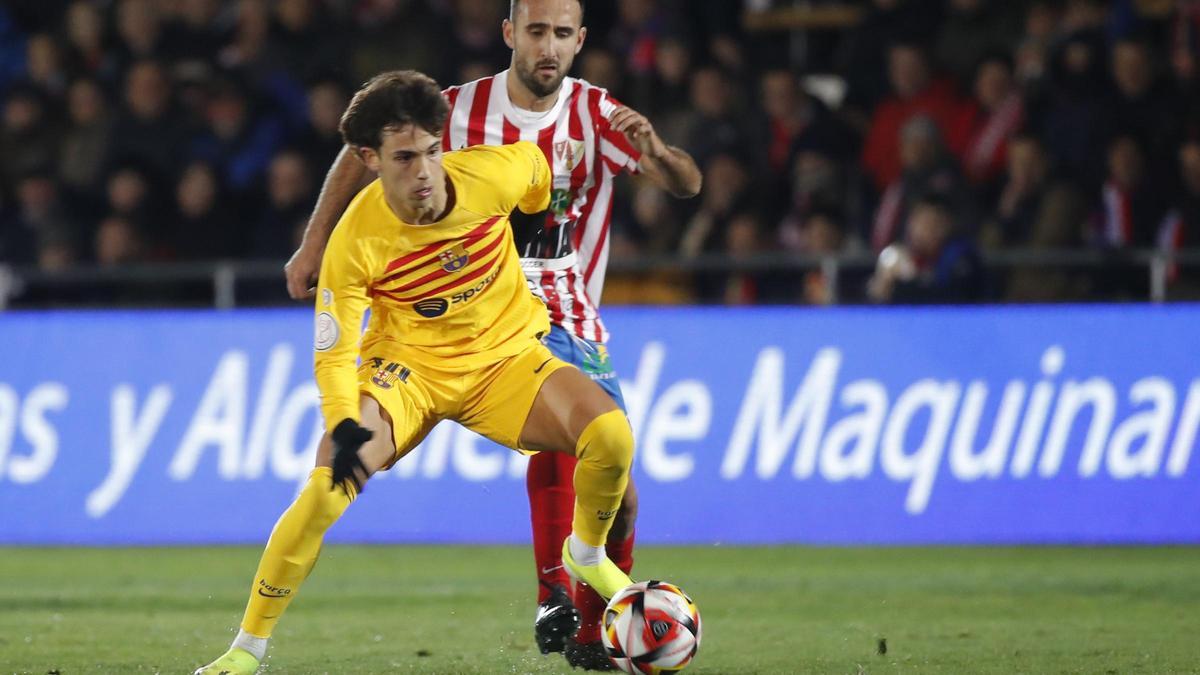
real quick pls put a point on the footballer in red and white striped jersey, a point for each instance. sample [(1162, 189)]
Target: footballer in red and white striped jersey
[(565, 255)]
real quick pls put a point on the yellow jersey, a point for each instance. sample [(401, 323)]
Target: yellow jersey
[(451, 291)]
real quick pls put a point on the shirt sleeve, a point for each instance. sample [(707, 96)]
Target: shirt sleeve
[(615, 148), (536, 190), (342, 300)]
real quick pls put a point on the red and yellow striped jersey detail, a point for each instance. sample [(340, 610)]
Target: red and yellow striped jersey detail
[(451, 291)]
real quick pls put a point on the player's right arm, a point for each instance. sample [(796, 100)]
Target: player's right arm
[(342, 300), (531, 162), (345, 178)]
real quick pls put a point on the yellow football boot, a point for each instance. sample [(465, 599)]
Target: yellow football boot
[(236, 661), (606, 578)]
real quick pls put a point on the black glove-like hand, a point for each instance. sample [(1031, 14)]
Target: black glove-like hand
[(348, 437)]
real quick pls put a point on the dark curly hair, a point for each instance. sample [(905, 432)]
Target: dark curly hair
[(392, 101)]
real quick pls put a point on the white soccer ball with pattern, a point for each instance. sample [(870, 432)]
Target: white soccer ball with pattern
[(651, 627)]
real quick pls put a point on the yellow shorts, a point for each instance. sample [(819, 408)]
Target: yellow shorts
[(493, 400)]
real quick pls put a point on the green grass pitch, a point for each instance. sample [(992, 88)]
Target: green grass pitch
[(406, 609)]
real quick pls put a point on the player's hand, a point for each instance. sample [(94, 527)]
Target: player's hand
[(301, 272), (639, 131), (348, 437)]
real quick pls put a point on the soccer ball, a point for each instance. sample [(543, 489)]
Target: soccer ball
[(651, 627)]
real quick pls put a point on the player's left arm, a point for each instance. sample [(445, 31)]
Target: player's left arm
[(667, 166)]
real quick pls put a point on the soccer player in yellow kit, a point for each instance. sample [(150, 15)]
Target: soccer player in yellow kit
[(454, 334)]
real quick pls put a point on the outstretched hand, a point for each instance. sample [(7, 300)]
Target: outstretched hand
[(638, 130), (348, 437), (301, 272)]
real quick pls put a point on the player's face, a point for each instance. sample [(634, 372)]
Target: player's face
[(545, 36), (409, 164)]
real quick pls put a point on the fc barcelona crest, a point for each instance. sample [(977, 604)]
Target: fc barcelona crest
[(388, 375), (454, 259)]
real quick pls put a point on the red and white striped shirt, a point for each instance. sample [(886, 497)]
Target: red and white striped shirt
[(564, 258)]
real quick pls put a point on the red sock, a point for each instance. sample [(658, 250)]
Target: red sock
[(590, 605), (621, 552), (549, 482)]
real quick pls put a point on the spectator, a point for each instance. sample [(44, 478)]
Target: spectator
[(1026, 185), (727, 181), (57, 254), (236, 138), (1181, 228), (934, 265), (927, 169), (131, 194), (1057, 224), (602, 69), (999, 113), (821, 234), (87, 51), (665, 99), (85, 145), (204, 227), (473, 31), (27, 138), (250, 48), (655, 227), (865, 57), (1032, 53), (140, 30), (320, 141), (1131, 208), (41, 217), (794, 120), (817, 185), (743, 241), (147, 130), (310, 42), (712, 124), (376, 23), (1141, 106), (914, 92), (1184, 46), (635, 37), (45, 65), (1072, 119), (118, 242), (289, 203), (971, 30), (195, 34)]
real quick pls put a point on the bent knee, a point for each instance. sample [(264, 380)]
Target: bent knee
[(607, 442), (320, 502)]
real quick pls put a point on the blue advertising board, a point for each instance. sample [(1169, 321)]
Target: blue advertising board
[(827, 426)]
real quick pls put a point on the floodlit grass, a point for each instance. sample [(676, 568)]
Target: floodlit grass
[(405, 609)]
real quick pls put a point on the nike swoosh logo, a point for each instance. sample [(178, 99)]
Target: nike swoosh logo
[(271, 595), (548, 570), (539, 368), (605, 517)]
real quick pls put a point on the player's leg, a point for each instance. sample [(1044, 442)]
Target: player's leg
[(538, 402), (551, 508), (584, 649), (552, 497), (296, 540), (572, 411), (549, 484)]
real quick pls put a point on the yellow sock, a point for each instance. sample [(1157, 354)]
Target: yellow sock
[(605, 452), (292, 550)]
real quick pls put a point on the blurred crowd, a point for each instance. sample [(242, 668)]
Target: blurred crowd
[(923, 134)]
